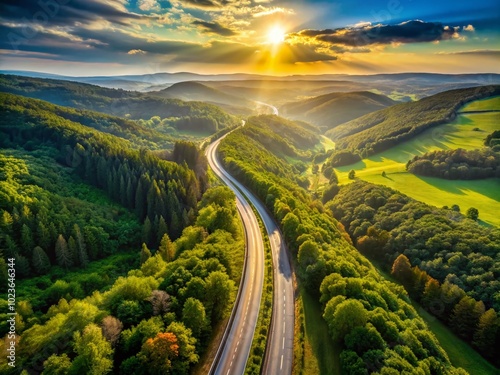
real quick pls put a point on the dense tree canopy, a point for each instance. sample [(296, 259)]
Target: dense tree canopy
[(356, 300)]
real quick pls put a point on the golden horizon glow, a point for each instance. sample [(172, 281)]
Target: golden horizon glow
[(276, 35)]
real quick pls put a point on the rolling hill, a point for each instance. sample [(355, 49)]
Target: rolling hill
[(328, 111), (383, 129), (131, 104), (195, 91)]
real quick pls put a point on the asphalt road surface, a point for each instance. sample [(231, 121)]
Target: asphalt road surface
[(236, 347), (237, 341)]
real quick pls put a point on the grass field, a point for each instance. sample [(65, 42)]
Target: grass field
[(489, 104), (482, 194), (321, 352)]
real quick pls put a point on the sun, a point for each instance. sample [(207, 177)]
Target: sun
[(276, 35)]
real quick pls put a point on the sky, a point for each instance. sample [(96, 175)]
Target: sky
[(278, 37)]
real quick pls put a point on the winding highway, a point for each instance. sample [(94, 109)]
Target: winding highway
[(235, 347)]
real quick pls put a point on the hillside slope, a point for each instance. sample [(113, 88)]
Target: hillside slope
[(195, 91), (328, 111), (121, 103), (387, 127)]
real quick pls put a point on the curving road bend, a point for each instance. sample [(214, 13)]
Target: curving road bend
[(279, 349), (235, 347)]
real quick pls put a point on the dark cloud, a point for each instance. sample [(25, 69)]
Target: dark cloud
[(482, 52), (406, 32), (210, 4), (291, 54), (66, 12), (92, 45), (215, 28)]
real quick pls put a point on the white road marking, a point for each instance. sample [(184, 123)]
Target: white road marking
[(281, 367)]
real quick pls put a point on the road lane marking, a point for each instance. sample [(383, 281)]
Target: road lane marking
[(281, 367), (283, 342)]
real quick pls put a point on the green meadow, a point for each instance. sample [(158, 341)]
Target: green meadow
[(467, 131)]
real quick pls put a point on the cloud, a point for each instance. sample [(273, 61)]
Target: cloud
[(148, 5), (469, 28), (204, 4), (74, 12), (136, 52), (476, 52), (407, 32), (214, 27), (268, 12)]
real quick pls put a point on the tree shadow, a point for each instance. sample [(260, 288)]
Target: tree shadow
[(489, 187)]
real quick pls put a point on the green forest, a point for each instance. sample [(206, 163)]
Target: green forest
[(369, 317), (164, 115), (122, 257), (129, 252), (455, 259)]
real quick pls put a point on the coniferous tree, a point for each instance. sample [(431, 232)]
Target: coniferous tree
[(91, 242), (162, 229), (22, 266), (140, 207), (63, 255), (175, 226), (130, 196), (123, 192), (43, 235), (166, 248), (40, 261), (27, 243), (10, 247), (6, 222), (73, 249), (145, 253), (81, 248), (147, 231)]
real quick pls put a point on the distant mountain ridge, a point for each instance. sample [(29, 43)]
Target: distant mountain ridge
[(146, 82)]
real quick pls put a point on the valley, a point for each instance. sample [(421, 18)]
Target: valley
[(177, 233), (459, 133)]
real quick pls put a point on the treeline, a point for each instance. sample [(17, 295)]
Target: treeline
[(115, 102), (493, 140), (467, 317), (383, 129), (199, 124), (156, 320), (457, 164), (384, 223), (163, 194), (370, 318)]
